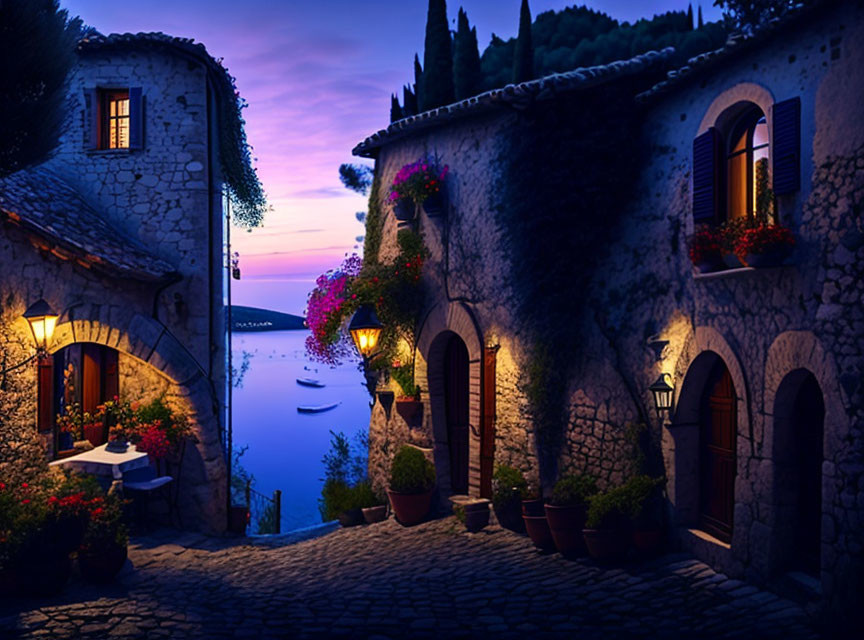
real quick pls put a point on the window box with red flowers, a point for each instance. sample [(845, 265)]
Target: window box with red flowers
[(419, 183), (705, 248), (765, 245)]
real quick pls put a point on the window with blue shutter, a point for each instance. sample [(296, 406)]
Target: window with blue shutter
[(136, 118), (706, 151), (786, 153), (115, 118)]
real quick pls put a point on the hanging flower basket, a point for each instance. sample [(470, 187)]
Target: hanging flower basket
[(421, 182), (411, 411), (404, 209)]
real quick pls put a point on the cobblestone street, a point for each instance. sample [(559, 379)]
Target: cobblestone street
[(384, 581)]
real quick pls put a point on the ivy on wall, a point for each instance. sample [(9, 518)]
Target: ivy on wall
[(374, 224)]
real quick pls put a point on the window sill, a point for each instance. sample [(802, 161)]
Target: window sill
[(110, 152), (734, 273), (707, 537)]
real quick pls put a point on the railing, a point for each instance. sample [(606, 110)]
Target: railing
[(265, 513)]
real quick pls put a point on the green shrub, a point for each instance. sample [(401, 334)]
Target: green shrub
[(636, 502), (411, 472), (573, 490), (508, 485), (335, 499), (646, 501), (609, 510)]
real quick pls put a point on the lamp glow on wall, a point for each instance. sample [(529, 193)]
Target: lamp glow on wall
[(365, 329), (42, 320), (663, 393)]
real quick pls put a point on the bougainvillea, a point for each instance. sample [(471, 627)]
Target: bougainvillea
[(418, 181), (705, 245), (764, 238), (153, 441)]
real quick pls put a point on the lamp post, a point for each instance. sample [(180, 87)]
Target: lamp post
[(663, 394), (42, 320), (365, 329)]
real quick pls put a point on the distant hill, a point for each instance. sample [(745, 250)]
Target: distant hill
[(253, 319)]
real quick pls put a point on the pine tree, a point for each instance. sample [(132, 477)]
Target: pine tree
[(37, 47), (690, 16), (418, 84), (700, 23), (409, 102), (467, 75), (395, 109), (523, 57), (437, 58)]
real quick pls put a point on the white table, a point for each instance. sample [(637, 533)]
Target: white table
[(100, 462)]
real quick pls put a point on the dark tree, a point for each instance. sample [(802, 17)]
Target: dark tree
[(395, 109), (418, 84), (37, 49), (409, 102), (523, 57), (437, 58), (700, 23), (356, 177), (467, 75), (690, 15), (743, 15)]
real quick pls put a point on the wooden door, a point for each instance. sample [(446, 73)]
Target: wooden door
[(456, 402), (808, 419), (487, 425), (717, 454)]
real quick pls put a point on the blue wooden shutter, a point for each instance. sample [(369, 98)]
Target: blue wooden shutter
[(786, 151), (706, 165), (91, 118), (136, 118)]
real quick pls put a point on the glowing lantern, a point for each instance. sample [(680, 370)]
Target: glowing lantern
[(42, 320), (365, 329)]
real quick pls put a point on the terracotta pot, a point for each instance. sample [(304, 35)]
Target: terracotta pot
[(533, 507), (566, 525), (411, 412), (607, 545), (435, 204), (476, 516), (43, 574), (95, 433), (647, 542), (375, 514), (102, 565), (405, 209), (509, 516), (351, 518), (238, 519), (410, 508), (538, 530)]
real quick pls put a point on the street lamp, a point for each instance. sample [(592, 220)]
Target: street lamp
[(42, 320), (365, 329), (663, 394)]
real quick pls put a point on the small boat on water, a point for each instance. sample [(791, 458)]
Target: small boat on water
[(318, 409), (309, 382)]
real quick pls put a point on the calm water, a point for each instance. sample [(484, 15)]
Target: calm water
[(285, 447)]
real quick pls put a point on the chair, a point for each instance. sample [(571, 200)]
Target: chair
[(142, 483)]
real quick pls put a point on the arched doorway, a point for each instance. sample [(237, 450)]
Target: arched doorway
[(717, 429), (798, 455), (456, 407)]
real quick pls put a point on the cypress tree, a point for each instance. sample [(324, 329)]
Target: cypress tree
[(700, 23), (418, 84), (523, 57), (395, 109), (690, 16), (437, 58), (409, 102), (467, 75)]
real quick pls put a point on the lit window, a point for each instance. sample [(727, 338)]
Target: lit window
[(747, 176), (115, 120)]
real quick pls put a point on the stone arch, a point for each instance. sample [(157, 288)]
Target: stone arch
[(724, 104), (442, 322)]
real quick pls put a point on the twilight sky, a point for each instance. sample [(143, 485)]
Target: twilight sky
[(318, 77)]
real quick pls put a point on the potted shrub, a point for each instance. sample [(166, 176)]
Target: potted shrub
[(377, 511), (704, 249), (103, 551), (566, 512), (607, 528), (765, 245), (408, 405), (646, 510), (419, 183), (412, 479), (509, 488), (536, 525)]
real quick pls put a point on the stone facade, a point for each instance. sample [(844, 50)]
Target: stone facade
[(768, 327), (164, 200)]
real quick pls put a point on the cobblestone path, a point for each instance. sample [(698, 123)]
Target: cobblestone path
[(384, 581)]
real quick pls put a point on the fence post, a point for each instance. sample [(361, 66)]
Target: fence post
[(277, 499)]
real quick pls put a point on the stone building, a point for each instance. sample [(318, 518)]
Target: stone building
[(560, 273), (122, 232)]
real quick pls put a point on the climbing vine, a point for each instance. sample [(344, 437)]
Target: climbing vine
[(374, 224)]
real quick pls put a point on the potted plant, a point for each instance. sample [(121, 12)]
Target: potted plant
[(412, 479), (765, 245), (408, 405), (607, 527), (704, 249), (472, 512), (566, 512), (377, 510), (536, 525), (509, 488), (646, 510), (420, 183), (103, 551)]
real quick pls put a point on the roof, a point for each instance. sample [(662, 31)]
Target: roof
[(518, 96), (59, 220), (736, 44)]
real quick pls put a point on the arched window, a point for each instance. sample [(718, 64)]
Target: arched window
[(748, 189)]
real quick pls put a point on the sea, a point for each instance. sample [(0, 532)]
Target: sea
[(284, 448)]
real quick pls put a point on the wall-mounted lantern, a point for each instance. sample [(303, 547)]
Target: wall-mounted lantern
[(663, 393), (365, 330), (42, 320)]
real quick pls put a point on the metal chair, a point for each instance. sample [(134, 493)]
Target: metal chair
[(142, 483)]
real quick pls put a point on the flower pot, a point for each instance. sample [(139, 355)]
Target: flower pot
[(404, 209), (43, 574), (533, 508), (410, 508), (538, 530), (647, 541), (607, 545), (566, 525), (476, 515), (95, 433), (509, 516), (435, 204), (351, 518), (117, 446), (238, 519), (102, 565), (411, 412), (375, 514), (772, 257)]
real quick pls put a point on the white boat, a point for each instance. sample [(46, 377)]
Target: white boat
[(309, 382), (318, 409)]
